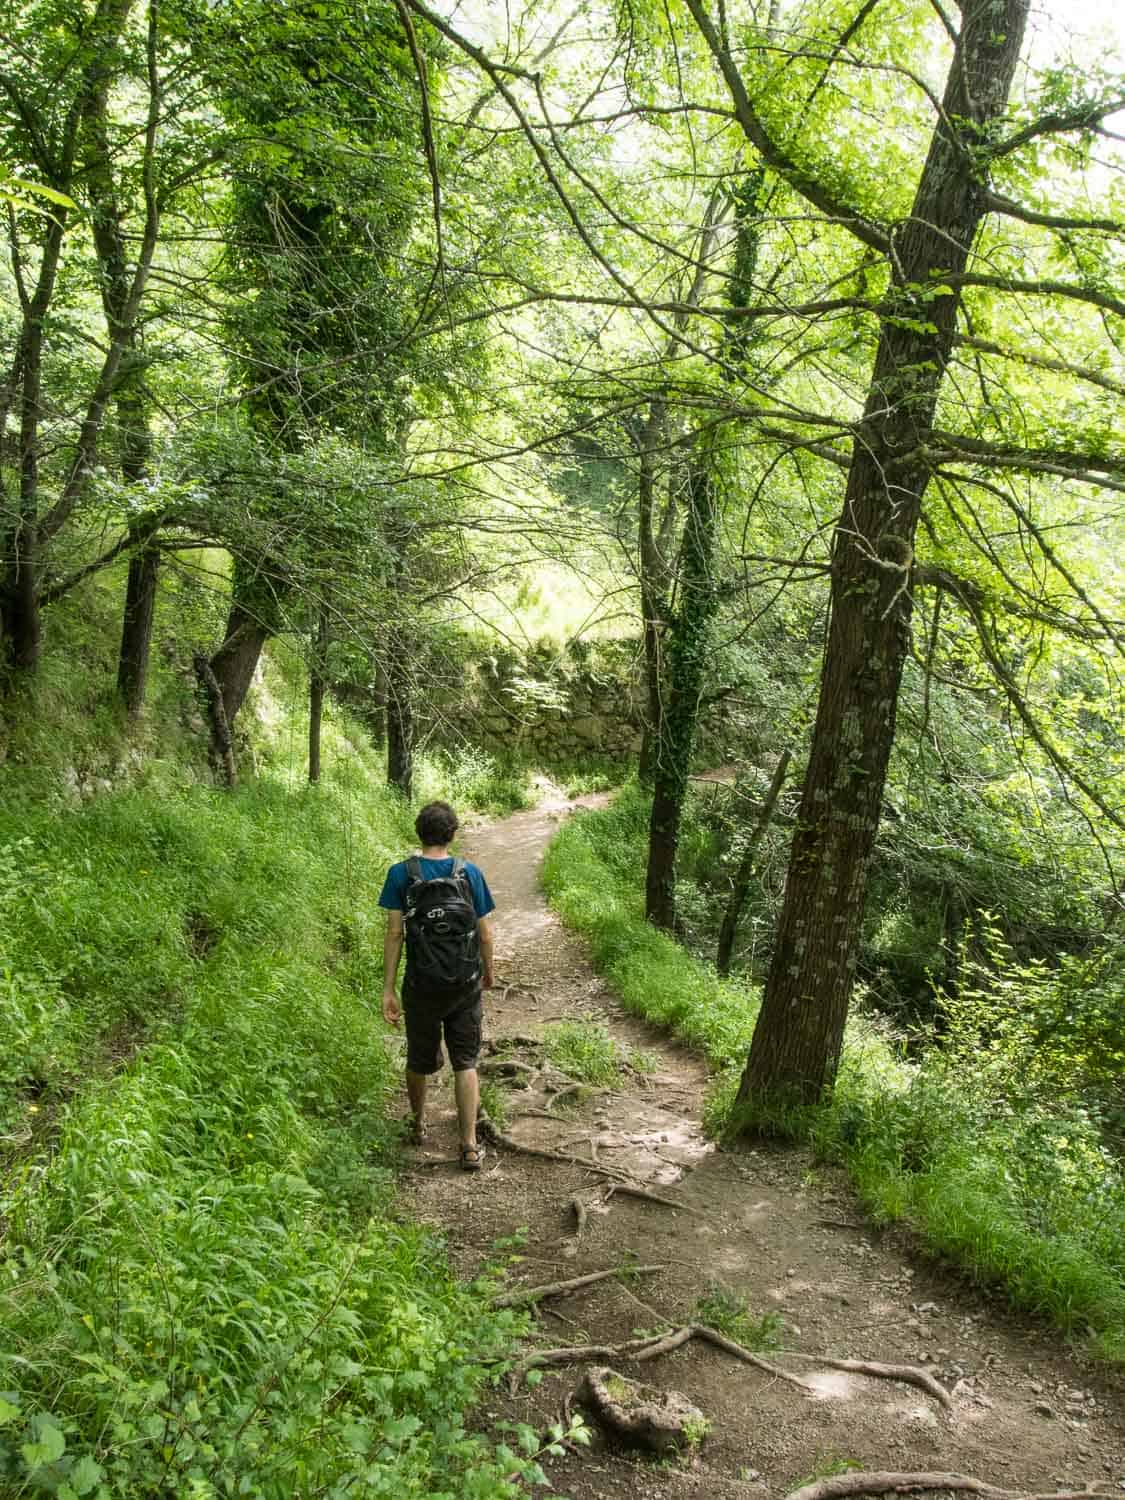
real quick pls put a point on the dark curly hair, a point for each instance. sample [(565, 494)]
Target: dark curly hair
[(436, 824)]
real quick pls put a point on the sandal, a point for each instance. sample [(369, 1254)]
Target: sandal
[(416, 1134), (471, 1158)]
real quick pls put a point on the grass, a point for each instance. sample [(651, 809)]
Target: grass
[(725, 1311), (204, 1288), (590, 1055), (993, 1174)]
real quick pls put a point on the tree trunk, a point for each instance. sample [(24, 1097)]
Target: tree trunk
[(136, 628), (400, 728), (236, 660), (144, 563), (222, 745), (745, 869), (654, 589), (796, 1046), (20, 629), (688, 651), (316, 693)]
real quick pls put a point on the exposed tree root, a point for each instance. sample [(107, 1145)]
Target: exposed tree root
[(509, 1067), (639, 1192), (524, 1296), (497, 1137), (654, 1346), (563, 1093), (908, 1374), (650, 1348), (581, 1215), (882, 1483)]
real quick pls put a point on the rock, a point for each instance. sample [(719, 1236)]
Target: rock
[(644, 1416), (1044, 1409)]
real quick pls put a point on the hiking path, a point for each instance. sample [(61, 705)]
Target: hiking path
[(765, 1225)]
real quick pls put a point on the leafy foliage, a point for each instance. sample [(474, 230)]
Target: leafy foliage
[(201, 1283)]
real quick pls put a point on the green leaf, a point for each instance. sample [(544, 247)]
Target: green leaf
[(85, 1475), (49, 1445)]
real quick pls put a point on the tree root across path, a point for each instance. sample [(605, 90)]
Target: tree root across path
[(909, 1374), (650, 1348), (663, 1343), (622, 1181), (524, 1296), (880, 1483)]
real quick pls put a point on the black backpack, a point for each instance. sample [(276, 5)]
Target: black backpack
[(440, 922)]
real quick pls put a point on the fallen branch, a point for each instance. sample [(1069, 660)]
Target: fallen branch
[(882, 1483), (523, 1296), (908, 1374)]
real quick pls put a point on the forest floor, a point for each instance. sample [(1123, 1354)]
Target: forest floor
[(767, 1225)]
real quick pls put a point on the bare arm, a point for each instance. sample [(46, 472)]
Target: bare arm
[(392, 952), (484, 928)]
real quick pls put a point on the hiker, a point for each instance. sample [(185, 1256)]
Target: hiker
[(441, 906)]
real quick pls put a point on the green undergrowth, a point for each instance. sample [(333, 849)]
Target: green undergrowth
[(592, 876), (972, 1146), (204, 1287), (589, 1054)]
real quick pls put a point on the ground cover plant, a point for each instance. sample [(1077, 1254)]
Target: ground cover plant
[(204, 1288), (587, 1052), (969, 1143)]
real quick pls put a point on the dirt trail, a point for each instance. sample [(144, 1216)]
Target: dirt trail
[(768, 1227)]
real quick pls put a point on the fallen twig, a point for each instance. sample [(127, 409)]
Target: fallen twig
[(522, 1296), (882, 1483)]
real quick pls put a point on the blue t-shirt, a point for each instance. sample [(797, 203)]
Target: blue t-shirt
[(393, 896)]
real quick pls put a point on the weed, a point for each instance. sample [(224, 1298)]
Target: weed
[(725, 1311), (695, 1430), (494, 1103), (586, 1051), (203, 1286), (829, 1464)]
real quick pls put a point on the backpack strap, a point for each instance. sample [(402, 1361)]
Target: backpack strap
[(461, 877), (413, 867)]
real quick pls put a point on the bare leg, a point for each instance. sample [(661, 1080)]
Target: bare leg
[(416, 1093), (466, 1090)]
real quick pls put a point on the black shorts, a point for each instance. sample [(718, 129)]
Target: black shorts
[(428, 1018)]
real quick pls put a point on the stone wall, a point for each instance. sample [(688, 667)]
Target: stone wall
[(586, 699)]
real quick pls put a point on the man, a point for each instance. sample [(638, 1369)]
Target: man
[(434, 1003)]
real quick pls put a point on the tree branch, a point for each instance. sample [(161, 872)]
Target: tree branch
[(774, 155)]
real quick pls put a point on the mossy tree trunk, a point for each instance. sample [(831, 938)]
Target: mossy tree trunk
[(400, 726), (796, 1045), (688, 655), (318, 671)]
